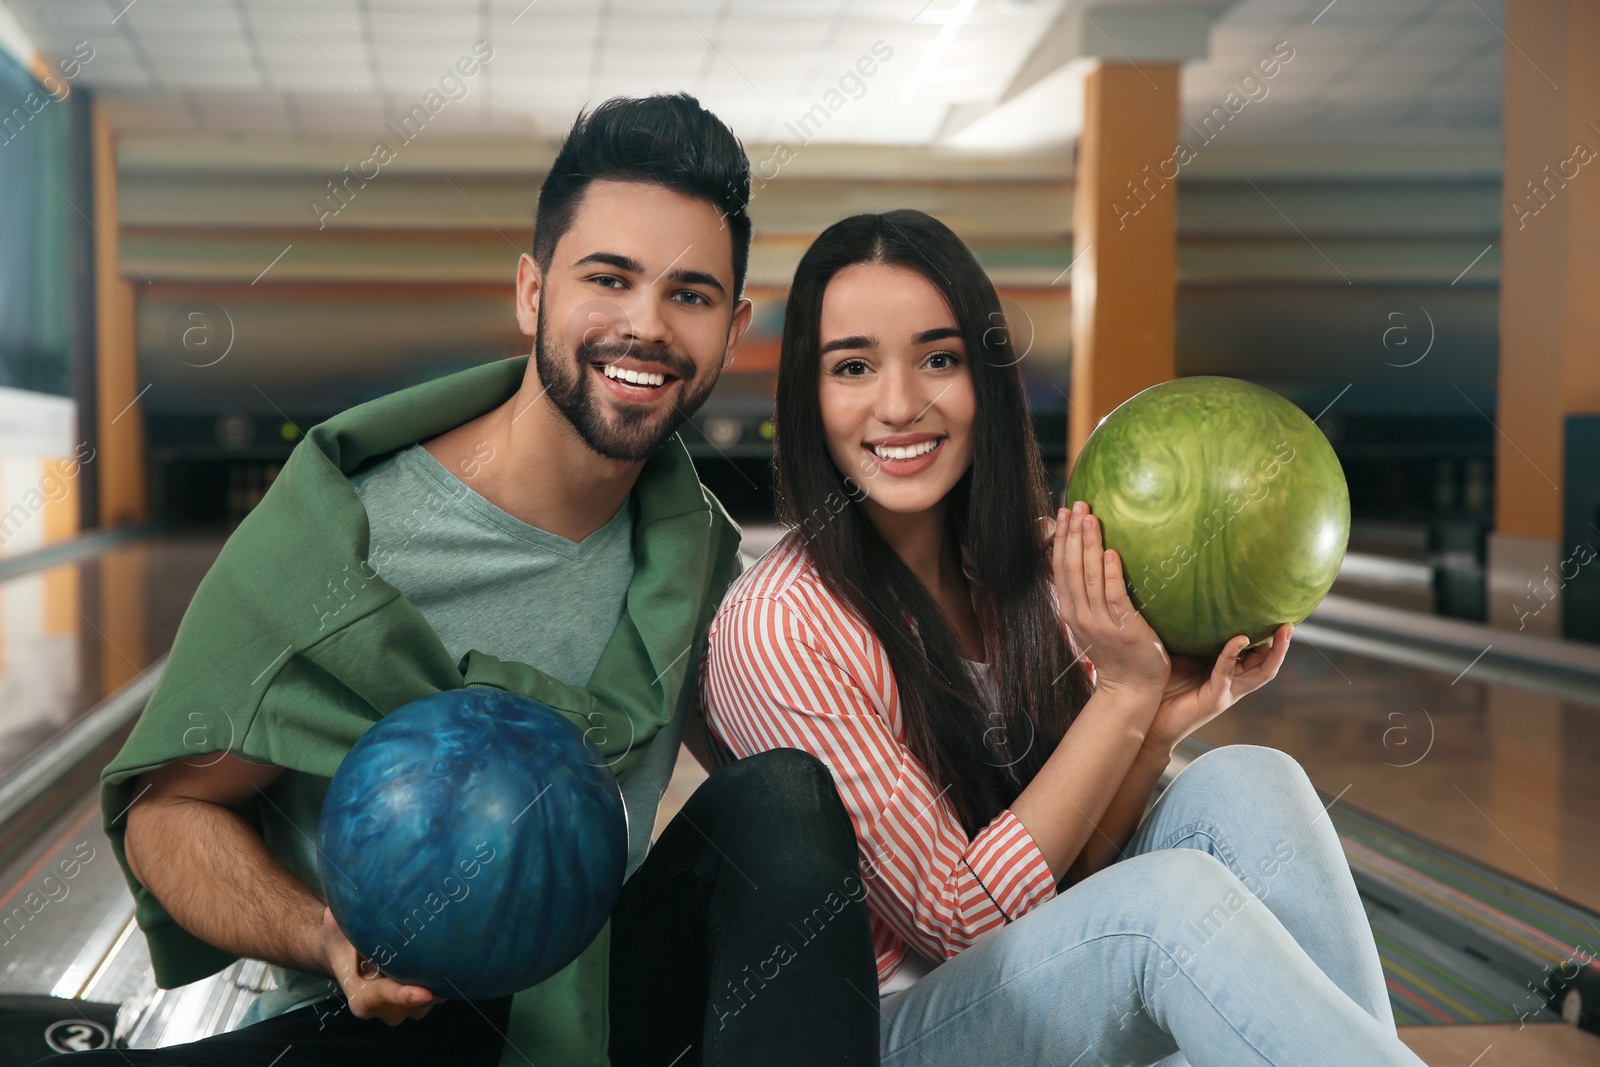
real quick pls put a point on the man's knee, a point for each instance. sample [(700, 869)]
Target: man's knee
[(782, 802), (780, 782)]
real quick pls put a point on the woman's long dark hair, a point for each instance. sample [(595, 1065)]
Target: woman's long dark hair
[(994, 510)]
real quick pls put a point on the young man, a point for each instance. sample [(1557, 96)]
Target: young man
[(564, 550)]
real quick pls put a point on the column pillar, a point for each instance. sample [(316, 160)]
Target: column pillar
[(118, 417), (1124, 237), (1549, 315)]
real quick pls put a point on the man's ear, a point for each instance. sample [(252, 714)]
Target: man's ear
[(736, 328), (530, 289)]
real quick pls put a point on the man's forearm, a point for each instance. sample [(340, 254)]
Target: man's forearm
[(1122, 815), (212, 873)]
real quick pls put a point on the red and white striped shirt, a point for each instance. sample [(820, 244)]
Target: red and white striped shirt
[(790, 665)]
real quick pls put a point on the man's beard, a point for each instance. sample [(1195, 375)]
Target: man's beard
[(632, 433)]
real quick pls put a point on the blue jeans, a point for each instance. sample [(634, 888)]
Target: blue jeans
[(1229, 934)]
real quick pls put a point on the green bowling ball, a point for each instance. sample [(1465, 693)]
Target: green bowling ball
[(1226, 503)]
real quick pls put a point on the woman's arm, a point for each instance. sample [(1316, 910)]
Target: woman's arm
[(1122, 817), (1084, 803), (1087, 798)]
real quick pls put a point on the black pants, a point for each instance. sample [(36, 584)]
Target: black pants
[(742, 939)]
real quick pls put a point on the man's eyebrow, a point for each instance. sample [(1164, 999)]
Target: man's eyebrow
[(696, 277), (853, 341), (613, 259), (681, 276)]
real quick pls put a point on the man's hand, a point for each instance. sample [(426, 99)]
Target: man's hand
[(369, 993), (190, 843)]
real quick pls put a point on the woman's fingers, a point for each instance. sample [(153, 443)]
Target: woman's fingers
[(1094, 564), (1226, 667), (1058, 549), (1070, 538), (1280, 649), (1116, 589), (1228, 660), (1261, 664)]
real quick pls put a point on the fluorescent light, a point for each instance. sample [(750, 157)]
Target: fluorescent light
[(941, 43), (14, 39)]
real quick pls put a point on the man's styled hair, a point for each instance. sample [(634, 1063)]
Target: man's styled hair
[(666, 140)]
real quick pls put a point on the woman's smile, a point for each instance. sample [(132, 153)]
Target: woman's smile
[(904, 455)]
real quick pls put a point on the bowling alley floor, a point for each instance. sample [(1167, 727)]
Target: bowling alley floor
[(1544, 1045), (72, 634), (1505, 775)]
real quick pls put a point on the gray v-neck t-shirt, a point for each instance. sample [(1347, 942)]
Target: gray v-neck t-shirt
[(487, 580)]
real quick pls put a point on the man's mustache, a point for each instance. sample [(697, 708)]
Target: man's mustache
[(612, 351)]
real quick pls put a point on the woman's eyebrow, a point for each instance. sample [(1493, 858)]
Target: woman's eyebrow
[(853, 341), (937, 334)]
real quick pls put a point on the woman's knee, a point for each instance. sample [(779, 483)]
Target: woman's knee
[(1254, 772), (1168, 888)]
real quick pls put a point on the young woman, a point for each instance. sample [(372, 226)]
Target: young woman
[(918, 630)]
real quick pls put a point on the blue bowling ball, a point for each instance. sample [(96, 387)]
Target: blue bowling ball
[(472, 842)]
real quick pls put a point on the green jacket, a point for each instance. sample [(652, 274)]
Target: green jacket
[(292, 647)]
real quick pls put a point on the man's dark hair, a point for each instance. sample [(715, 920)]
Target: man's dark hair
[(666, 140)]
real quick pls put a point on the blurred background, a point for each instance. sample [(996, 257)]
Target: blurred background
[(223, 222)]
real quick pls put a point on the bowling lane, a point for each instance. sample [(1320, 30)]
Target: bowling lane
[(1499, 772), (72, 634)]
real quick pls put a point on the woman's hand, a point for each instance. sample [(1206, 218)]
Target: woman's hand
[(1197, 692), (1127, 654)]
